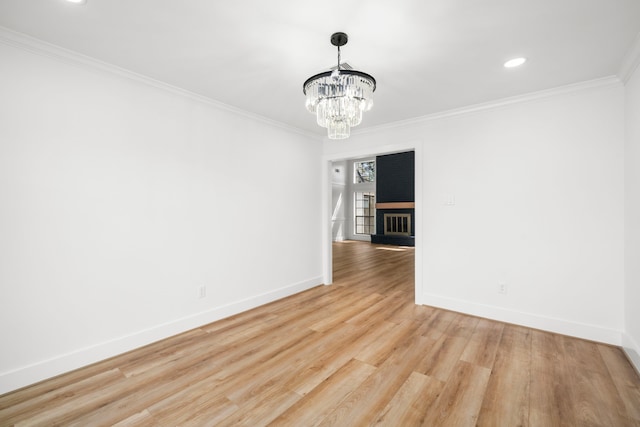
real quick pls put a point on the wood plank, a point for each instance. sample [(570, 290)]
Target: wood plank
[(442, 356), (623, 376), (438, 324), (506, 401), (141, 419), (377, 312), (66, 394), (482, 346), (324, 398), (551, 393), (287, 364), (332, 358), (200, 407), (379, 350), (260, 411), (594, 395), (411, 403), (365, 403), (160, 353), (461, 398), (355, 307)]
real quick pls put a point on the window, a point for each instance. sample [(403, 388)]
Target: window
[(364, 172), (365, 212)]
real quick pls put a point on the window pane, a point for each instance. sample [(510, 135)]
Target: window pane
[(364, 171), (365, 212)]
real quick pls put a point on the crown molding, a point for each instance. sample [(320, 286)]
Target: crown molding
[(27, 43), (499, 103), (39, 47), (631, 61)]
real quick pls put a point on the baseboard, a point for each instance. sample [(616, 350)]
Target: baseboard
[(560, 326), (632, 350), (45, 369)]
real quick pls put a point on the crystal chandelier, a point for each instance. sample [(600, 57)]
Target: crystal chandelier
[(339, 97)]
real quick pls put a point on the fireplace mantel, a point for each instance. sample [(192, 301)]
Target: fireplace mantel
[(396, 205)]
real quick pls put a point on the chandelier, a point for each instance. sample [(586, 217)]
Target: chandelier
[(339, 97)]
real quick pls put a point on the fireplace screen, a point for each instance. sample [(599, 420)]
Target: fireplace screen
[(397, 224)]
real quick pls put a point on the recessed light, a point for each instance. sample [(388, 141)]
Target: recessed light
[(77, 1), (515, 62)]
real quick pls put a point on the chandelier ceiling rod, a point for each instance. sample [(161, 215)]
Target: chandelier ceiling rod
[(339, 39)]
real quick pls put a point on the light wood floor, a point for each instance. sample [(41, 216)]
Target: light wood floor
[(354, 354)]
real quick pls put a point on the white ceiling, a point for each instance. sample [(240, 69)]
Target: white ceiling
[(427, 56)]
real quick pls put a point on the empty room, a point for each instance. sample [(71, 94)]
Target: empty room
[(341, 213)]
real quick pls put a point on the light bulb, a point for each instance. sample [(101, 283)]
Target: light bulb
[(515, 62)]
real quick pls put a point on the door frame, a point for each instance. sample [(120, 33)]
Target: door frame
[(327, 238)]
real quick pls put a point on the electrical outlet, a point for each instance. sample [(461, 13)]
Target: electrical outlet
[(202, 292), (502, 288)]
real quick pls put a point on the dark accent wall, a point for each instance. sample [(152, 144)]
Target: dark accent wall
[(395, 177), (395, 182)]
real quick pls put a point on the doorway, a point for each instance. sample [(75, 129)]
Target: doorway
[(335, 226)]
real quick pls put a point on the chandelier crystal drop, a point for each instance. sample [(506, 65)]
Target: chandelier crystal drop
[(339, 97)]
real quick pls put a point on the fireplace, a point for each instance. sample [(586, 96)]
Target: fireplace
[(397, 224), (395, 199)]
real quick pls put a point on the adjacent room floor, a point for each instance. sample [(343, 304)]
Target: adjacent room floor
[(352, 354)]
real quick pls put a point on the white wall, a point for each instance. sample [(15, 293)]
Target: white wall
[(119, 200), (632, 218), (539, 205)]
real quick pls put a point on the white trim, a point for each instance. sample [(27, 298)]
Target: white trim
[(326, 218), (631, 61), (551, 324), (24, 376), (39, 47), (499, 103), (632, 350), (418, 215)]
